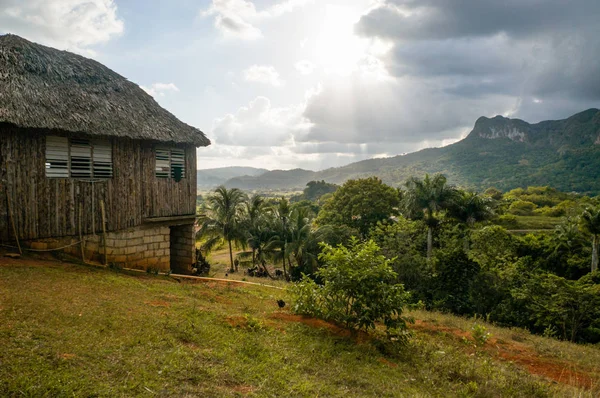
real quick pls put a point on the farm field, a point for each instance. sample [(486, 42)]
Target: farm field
[(73, 330)]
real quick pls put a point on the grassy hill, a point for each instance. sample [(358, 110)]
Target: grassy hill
[(71, 330), (500, 152)]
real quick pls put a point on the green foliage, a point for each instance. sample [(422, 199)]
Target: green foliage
[(507, 221), (221, 220), (358, 290), (493, 247), (360, 204), (522, 208), (314, 191), (480, 334), (572, 307)]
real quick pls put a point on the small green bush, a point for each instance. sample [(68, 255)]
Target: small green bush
[(480, 334), (358, 290), (522, 208), (508, 221)]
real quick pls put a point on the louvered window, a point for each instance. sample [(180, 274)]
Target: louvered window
[(78, 158), (170, 163), (81, 158), (57, 157), (102, 159)]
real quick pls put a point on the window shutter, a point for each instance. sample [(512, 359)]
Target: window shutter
[(57, 157), (177, 163), (163, 168), (102, 158), (81, 158)]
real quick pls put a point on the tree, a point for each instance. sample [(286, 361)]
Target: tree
[(222, 219), (358, 289), (590, 223), (469, 208), (360, 204), (304, 242), (425, 199), (314, 190), (254, 222), (282, 212)]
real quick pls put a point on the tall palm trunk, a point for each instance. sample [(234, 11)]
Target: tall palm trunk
[(283, 260), (429, 244), (595, 253), (230, 256)]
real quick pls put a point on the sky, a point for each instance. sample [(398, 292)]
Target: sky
[(282, 84)]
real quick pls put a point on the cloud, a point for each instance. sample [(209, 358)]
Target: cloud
[(73, 25), (159, 89), (305, 67), (524, 48), (237, 18), (259, 124), (408, 20), (263, 74), (451, 61)]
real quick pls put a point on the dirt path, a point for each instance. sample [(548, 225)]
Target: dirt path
[(522, 355)]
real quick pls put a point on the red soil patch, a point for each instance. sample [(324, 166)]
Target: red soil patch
[(559, 371), (332, 328), (237, 321), (388, 363)]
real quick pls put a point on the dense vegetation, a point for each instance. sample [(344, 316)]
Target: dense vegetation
[(564, 154), (527, 257)]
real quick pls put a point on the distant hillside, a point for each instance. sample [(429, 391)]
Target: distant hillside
[(501, 152), (295, 179), (210, 178)]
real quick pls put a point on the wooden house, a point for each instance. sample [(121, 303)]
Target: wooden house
[(85, 153)]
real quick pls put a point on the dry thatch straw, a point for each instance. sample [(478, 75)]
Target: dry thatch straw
[(41, 87)]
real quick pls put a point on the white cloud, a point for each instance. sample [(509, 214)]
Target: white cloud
[(305, 67), (263, 74), (237, 18), (260, 125), (159, 89), (74, 25)]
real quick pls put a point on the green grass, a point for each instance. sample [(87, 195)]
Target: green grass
[(70, 330)]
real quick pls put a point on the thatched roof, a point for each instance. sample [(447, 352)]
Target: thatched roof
[(41, 87)]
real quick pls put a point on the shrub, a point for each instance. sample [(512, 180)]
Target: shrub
[(508, 221), (522, 208), (358, 290), (480, 334)]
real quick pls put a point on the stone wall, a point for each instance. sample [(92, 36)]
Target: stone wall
[(182, 248), (141, 247)]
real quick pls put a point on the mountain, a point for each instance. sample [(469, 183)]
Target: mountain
[(500, 152), (211, 178)]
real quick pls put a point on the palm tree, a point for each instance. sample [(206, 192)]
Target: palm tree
[(282, 214), (304, 240), (254, 222), (425, 199), (222, 220), (590, 223), (469, 208)]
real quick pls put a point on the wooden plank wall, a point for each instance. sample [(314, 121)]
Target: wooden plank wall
[(49, 207)]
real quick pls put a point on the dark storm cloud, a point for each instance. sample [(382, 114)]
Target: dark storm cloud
[(443, 19), (452, 61)]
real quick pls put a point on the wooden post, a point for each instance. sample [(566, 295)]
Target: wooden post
[(12, 220), (103, 229), (81, 236)]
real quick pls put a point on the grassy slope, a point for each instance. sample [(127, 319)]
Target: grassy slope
[(72, 330)]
